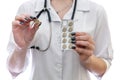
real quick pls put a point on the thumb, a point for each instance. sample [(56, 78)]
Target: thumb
[(36, 25)]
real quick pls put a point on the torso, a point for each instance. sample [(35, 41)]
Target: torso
[(55, 64)]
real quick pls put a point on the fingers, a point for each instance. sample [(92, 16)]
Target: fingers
[(84, 51), (20, 21), (23, 21), (84, 43), (83, 39), (22, 17), (82, 36), (16, 23), (35, 28)]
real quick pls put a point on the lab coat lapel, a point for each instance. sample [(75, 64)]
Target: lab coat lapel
[(83, 7)]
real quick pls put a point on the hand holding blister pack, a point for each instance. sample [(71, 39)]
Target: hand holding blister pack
[(67, 36)]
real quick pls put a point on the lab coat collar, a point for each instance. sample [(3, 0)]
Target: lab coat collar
[(82, 5)]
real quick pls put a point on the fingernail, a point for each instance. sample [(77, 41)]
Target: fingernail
[(32, 47), (33, 17), (73, 47), (73, 38), (73, 41), (73, 33), (21, 22), (26, 19)]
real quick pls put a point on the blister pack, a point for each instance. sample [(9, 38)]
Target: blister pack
[(67, 36)]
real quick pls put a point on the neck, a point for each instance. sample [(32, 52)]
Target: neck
[(62, 1), (61, 6)]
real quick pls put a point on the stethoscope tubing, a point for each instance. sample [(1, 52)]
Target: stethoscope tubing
[(50, 24)]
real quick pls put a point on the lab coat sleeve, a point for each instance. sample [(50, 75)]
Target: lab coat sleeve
[(11, 44), (102, 38)]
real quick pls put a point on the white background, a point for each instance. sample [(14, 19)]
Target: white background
[(8, 9)]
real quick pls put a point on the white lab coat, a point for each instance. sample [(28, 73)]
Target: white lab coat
[(55, 64)]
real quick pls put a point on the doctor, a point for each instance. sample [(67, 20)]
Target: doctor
[(51, 59)]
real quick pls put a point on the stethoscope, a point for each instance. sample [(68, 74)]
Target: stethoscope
[(45, 9)]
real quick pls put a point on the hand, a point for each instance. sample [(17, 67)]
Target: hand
[(22, 31), (84, 45)]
